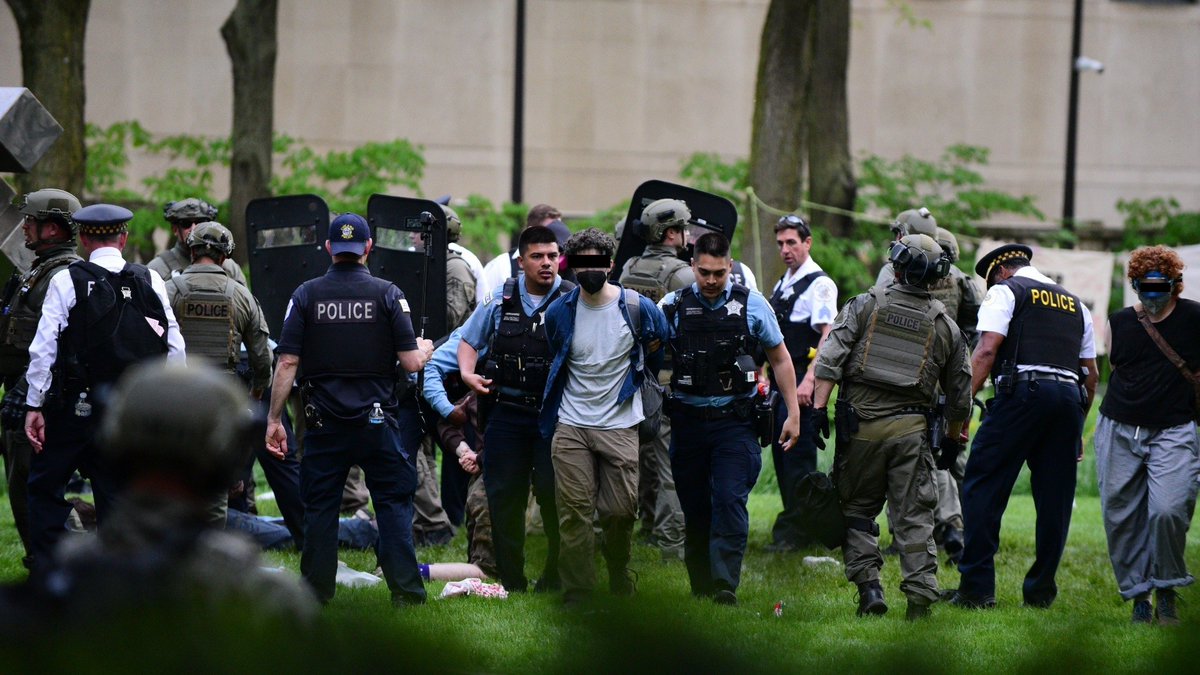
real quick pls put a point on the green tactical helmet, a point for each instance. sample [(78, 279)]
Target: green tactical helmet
[(915, 221), (662, 214), (189, 210), (918, 259), (949, 244), (211, 235), (453, 224), (51, 204), (189, 422)]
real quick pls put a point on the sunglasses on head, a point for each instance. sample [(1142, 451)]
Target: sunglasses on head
[(794, 222)]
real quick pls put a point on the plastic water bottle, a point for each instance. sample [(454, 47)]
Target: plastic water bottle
[(376, 415)]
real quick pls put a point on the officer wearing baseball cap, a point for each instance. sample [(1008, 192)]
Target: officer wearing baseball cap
[(99, 317), (349, 329), (1036, 341)]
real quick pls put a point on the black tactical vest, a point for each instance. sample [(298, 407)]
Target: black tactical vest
[(108, 329), (1046, 327), (738, 274), (707, 343), (519, 347), (797, 337), (348, 329)]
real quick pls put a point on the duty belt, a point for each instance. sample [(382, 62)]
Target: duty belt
[(1030, 375), (523, 400), (703, 412)]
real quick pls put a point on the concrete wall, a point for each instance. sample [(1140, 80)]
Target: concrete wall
[(619, 91)]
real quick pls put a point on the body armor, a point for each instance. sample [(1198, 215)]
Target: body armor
[(1046, 327), (22, 307), (708, 343), (949, 292), (346, 330), (799, 338), (171, 262), (519, 347), (895, 348), (206, 320), (651, 273)]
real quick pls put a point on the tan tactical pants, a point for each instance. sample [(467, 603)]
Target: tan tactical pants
[(428, 514), (479, 528)]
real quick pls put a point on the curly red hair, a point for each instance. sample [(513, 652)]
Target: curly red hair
[(1157, 259)]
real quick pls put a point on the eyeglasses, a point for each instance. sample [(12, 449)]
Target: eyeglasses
[(794, 222)]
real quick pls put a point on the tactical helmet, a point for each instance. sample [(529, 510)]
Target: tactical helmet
[(51, 204), (948, 242), (661, 215), (919, 259), (619, 230), (453, 224), (189, 422), (189, 210), (915, 221), (211, 235)]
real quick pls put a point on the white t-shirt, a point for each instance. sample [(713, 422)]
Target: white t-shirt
[(597, 366)]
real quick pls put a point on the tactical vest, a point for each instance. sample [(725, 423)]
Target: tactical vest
[(947, 291), (109, 328), (738, 274), (650, 273), (798, 337), (895, 348), (519, 347), (206, 320), (459, 303), (708, 342), (348, 329), (513, 268), (22, 308), (1046, 327), (169, 263)]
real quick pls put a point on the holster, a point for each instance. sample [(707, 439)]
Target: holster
[(845, 423), (312, 412), (764, 418)]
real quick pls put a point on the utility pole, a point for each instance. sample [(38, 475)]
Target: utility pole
[(1068, 205), (518, 144)]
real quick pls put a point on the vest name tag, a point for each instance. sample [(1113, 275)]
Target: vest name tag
[(1060, 301), (193, 309), (345, 311), (911, 323)]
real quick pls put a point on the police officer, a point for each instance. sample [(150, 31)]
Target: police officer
[(715, 327), (183, 215), (216, 316), (506, 266), (890, 349), (50, 233), (804, 301), (99, 317), (510, 324), (348, 329), (1037, 343), (912, 221), (655, 273), (964, 297), (460, 282)]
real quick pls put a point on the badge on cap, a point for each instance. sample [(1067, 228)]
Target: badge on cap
[(347, 231)]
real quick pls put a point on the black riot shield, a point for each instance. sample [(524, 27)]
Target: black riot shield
[(286, 243), (405, 230), (709, 211)]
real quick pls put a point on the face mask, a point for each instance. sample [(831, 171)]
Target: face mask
[(1155, 305), (592, 280)]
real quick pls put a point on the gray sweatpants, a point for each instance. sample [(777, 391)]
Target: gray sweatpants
[(1148, 480)]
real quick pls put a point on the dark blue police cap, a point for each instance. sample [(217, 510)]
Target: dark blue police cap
[(348, 233), (103, 219), (1004, 253)]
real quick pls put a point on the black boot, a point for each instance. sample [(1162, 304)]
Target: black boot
[(870, 599), (1165, 610)]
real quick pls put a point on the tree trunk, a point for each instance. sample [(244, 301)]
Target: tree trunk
[(830, 167), (778, 137), (250, 35), (52, 35)]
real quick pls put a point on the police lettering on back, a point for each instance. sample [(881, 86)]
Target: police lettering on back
[(346, 311), (1060, 301)]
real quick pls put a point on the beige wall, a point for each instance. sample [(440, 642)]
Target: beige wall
[(619, 91)]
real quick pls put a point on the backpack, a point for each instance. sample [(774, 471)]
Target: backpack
[(652, 391)]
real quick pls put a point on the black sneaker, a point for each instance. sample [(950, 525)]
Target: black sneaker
[(870, 599), (725, 597), (437, 537), (1165, 611), (1143, 612), (964, 601), (916, 611)]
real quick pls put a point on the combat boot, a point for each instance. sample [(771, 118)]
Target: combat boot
[(870, 599), (916, 611), (1142, 611), (1165, 610)]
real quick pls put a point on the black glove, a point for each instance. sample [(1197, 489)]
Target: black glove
[(820, 426), (951, 448)]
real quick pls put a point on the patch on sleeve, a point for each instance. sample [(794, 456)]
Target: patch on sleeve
[(404, 306)]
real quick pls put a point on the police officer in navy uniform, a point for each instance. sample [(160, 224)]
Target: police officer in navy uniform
[(100, 316), (805, 303), (510, 325), (348, 329), (1036, 341), (715, 328)]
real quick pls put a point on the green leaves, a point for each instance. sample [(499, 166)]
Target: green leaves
[(1158, 220)]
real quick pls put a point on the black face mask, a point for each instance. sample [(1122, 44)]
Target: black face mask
[(592, 280)]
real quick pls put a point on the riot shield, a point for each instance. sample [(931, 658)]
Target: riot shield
[(286, 244), (709, 211), (405, 229), (27, 130)]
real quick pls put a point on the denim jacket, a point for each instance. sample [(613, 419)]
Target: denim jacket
[(560, 327)]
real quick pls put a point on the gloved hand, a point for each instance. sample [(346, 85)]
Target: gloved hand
[(820, 426), (951, 448)]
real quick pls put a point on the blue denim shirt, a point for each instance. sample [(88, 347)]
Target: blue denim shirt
[(444, 362), (560, 328)]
